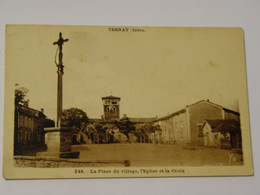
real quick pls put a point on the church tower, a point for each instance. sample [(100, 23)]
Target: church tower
[(111, 107)]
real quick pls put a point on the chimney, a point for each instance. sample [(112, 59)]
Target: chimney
[(207, 100), (42, 110), (26, 103)]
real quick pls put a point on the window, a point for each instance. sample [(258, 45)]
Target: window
[(114, 102), (19, 137), (25, 137), (20, 122), (29, 136), (29, 122), (25, 121)]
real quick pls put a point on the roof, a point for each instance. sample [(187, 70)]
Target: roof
[(111, 97), (141, 120), (30, 111), (207, 101), (134, 120), (94, 120), (231, 111), (171, 115), (230, 125), (184, 110)]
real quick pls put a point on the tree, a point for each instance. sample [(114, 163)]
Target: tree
[(154, 128), (20, 94), (101, 133), (75, 118), (125, 126), (142, 132), (91, 132)]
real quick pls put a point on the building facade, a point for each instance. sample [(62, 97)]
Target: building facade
[(29, 125), (186, 126), (222, 133)]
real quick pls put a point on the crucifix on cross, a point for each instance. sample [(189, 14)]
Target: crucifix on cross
[(60, 43)]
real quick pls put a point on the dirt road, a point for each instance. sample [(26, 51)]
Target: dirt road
[(141, 154)]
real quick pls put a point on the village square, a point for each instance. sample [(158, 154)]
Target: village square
[(202, 133)]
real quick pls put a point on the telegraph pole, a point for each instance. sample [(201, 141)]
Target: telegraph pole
[(60, 73)]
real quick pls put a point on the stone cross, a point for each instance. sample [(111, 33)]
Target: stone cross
[(60, 73)]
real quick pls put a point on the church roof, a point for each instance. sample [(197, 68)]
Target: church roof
[(94, 119), (110, 97)]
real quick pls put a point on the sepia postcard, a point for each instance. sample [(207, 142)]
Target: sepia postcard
[(125, 101)]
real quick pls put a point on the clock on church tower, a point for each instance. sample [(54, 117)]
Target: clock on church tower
[(111, 107)]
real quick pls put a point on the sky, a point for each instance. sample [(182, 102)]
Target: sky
[(155, 72)]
